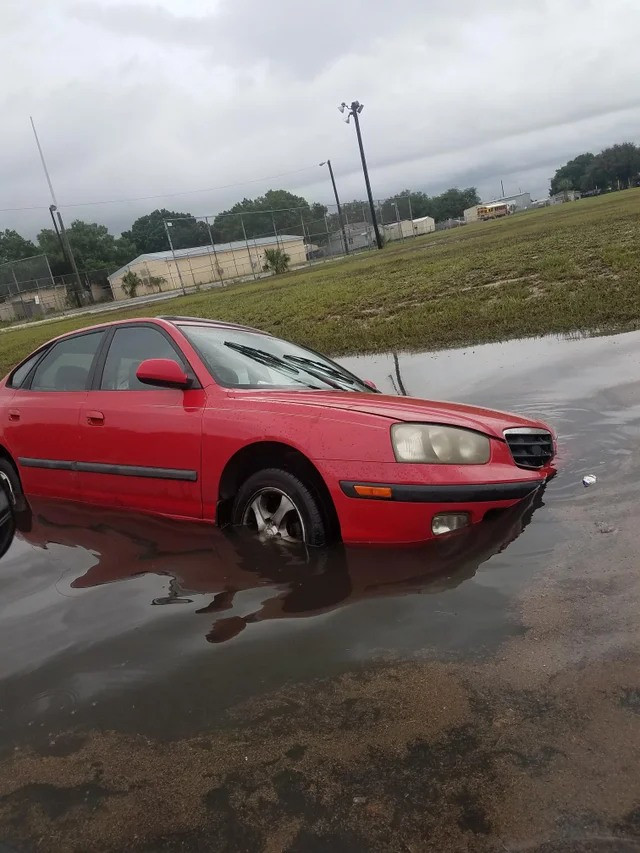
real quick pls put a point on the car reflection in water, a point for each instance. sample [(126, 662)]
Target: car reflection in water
[(201, 560)]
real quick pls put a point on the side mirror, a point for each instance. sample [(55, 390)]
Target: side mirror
[(370, 384), (163, 373)]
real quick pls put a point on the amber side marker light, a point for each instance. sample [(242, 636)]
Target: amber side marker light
[(373, 491)]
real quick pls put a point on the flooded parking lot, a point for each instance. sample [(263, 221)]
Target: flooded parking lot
[(168, 686)]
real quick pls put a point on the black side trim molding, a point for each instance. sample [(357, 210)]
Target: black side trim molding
[(57, 464), (104, 468), (468, 493)]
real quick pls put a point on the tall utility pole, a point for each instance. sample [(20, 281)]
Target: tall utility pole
[(78, 289), (340, 219), (168, 225), (354, 110)]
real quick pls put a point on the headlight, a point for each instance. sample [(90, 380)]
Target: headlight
[(439, 444)]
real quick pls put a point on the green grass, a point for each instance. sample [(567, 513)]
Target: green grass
[(573, 267)]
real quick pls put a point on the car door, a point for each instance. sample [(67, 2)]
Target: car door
[(42, 418), (140, 446)]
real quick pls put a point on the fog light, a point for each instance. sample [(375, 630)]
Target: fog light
[(447, 522)]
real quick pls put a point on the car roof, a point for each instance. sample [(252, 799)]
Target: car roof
[(163, 320), (205, 321)]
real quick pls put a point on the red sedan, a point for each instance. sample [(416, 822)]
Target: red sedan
[(200, 419)]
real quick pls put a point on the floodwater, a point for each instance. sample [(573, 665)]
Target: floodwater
[(168, 686)]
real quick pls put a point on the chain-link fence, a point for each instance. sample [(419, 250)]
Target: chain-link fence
[(29, 290), (213, 251)]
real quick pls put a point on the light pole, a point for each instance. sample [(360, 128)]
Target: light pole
[(52, 211), (77, 289), (354, 110), (168, 225), (340, 219)]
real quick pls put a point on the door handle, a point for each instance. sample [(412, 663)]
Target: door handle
[(14, 415), (95, 418)]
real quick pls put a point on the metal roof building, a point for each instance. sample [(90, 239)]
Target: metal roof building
[(202, 265)]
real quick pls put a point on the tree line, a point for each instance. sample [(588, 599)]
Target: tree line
[(613, 168), (280, 211)]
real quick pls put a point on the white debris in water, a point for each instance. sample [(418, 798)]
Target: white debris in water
[(589, 480)]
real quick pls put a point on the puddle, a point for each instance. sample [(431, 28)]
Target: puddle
[(153, 629), (113, 614)]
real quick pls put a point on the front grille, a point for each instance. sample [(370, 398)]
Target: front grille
[(530, 448)]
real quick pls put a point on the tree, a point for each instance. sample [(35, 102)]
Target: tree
[(571, 176), (276, 210), (131, 281), (93, 248), (450, 204), (421, 204), (595, 178), (616, 166), (621, 163), (148, 232), (14, 247), (49, 245), (276, 261)]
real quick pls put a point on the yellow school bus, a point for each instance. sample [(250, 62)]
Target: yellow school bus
[(494, 211)]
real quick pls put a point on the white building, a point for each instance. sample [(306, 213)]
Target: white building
[(409, 228), (202, 265), (424, 225)]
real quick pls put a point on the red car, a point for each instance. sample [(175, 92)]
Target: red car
[(200, 419)]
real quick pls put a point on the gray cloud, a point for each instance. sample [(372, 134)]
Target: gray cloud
[(146, 98)]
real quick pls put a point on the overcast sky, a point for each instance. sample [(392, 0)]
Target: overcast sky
[(159, 97)]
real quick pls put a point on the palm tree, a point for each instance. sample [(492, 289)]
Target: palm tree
[(276, 261)]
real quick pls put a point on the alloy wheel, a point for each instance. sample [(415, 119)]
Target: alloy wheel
[(273, 515)]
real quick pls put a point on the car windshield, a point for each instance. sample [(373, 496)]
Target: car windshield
[(241, 359)]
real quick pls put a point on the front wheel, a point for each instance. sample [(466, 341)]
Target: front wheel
[(10, 483), (277, 505)]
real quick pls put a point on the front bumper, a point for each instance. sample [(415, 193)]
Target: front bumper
[(405, 517), (441, 494)]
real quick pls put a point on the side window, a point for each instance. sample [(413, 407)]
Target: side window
[(67, 365), (20, 373), (129, 347)]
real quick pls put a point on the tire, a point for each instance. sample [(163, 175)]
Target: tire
[(274, 490), (16, 495)]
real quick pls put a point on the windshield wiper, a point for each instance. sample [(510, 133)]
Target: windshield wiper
[(269, 360), (321, 369)]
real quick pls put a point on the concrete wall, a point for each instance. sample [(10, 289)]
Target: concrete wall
[(7, 312), (34, 303), (471, 214), (203, 269)]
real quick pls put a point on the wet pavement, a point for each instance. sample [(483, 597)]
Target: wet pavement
[(167, 686)]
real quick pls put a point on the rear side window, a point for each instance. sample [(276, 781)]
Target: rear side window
[(67, 365), (129, 347), (21, 373)]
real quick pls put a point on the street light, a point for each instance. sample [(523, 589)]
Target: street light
[(335, 192), (354, 110)]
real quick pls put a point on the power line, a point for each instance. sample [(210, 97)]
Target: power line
[(162, 195)]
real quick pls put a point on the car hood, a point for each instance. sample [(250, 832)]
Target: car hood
[(402, 409)]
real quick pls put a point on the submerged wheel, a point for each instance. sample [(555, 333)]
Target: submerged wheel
[(277, 505)]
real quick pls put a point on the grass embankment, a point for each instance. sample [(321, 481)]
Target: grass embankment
[(560, 269)]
